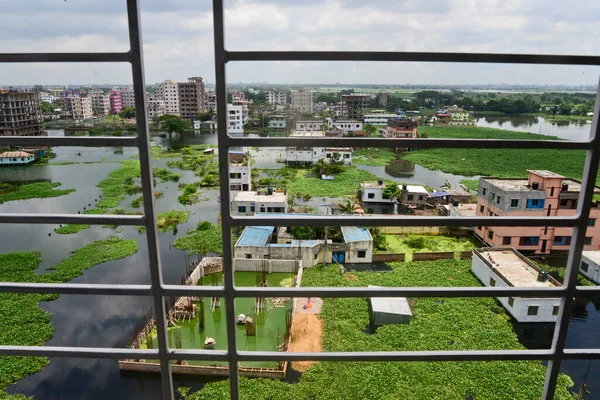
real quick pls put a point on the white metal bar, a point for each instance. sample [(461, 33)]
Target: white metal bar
[(406, 56), (63, 57), (75, 288), (83, 141), (139, 87), (87, 219)]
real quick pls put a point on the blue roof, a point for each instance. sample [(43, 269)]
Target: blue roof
[(355, 233), (255, 236), (439, 194)]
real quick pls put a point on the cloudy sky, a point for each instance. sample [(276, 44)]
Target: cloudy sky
[(178, 39)]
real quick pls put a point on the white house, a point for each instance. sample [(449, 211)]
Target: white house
[(347, 125), (414, 194), (380, 119), (298, 155), (344, 152), (310, 125), (277, 123), (250, 203), (372, 192), (235, 119), (239, 172), (505, 267), (590, 266)]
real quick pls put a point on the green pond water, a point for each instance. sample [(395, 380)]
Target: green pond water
[(270, 323)]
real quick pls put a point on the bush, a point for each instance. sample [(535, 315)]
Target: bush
[(204, 226)]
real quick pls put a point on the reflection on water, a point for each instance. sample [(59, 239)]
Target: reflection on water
[(565, 129), (400, 168)]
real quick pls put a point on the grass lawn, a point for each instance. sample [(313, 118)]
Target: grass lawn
[(345, 183), (438, 324), (167, 220), (373, 157), (409, 244), (507, 163), (36, 190), (22, 322), (204, 239)]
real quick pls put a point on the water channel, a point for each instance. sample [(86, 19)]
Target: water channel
[(103, 321)]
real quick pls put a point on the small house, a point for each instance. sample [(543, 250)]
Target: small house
[(372, 192), (11, 158), (414, 194), (590, 265), (389, 310)]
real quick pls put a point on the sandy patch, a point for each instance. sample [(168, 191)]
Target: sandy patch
[(307, 336), (350, 277)]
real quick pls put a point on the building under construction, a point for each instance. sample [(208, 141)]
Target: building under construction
[(20, 114)]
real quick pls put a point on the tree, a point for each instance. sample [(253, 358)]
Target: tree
[(127, 112), (332, 166), (206, 115), (171, 124), (391, 191), (370, 129)]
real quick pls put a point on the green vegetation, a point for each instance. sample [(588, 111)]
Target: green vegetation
[(171, 124), (127, 112), (471, 184), (346, 183), (137, 202), (428, 243), (506, 163), (190, 194), (438, 324), (165, 175), (373, 157), (23, 322), (206, 238), (159, 152), (36, 190), (167, 220), (63, 162), (551, 118)]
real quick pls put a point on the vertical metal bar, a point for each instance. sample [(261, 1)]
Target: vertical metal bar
[(228, 275), (588, 184), (139, 88)]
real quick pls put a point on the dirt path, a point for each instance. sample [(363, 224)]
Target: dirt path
[(307, 336)]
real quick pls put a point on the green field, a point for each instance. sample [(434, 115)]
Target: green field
[(409, 244), (345, 183), (36, 190), (438, 324)]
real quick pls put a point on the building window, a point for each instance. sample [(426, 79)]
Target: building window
[(242, 209), (535, 203), (248, 255), (532, 310), (483, 191), (529, 241), (235, 175), (511, 301), (555, 310), (362, 253), (564, 203), (492, 282), (490, 234), (584, 266), (410, 197), (514, 203), (370, 195), (506, 240), (328, 155), (420, 198), (346, 155), (251, 208), (562, 240), (587, 241), (592, 222), (498, 199), (481, 208)]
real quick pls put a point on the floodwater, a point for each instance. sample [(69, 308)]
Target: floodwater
[(103, 321), (568, 129)]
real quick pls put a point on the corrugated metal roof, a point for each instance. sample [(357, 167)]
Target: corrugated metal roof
[(13, 154), (390, 305), (255, 236), (439, 194), (416, 189), (355, 233)]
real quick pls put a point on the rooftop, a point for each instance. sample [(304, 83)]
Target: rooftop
[(14, 154), (259, 198), (513, 267), (307, 134), (255, 236), (593, 256), (416, 189), (372, 185), (355, 233), (466, 210), (544, 173), (390, 305), (520, 185)]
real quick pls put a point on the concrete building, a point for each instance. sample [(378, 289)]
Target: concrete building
[(76, 106), (192, 97), (235, 119), (505, 267), (127, 97), (414, 195), (461, 118), (250, 203), (346, 125), (239, 172), (168, 91), (372, 192), (156, 107), (543, 194), (401, 129), (355, 104), (115, 102), (100, 104), (47, 97), (277, 123), (302, 101), (339, 111), (389, 310), (297, 155), (275, 96), (590, 266), (20, 114), (310, 125), (211, 101), (15, 158), (381, 119), (344, 152), (382, 99)]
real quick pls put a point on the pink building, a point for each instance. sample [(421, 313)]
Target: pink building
[(115, 102), (404, 128), (544, 193)]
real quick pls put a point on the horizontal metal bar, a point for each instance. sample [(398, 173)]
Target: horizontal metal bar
[(87, 219), (75, 288), (201, 291), (83, 141), (465, 355), (76, 352), (416, 143), (189, 354), (587, 354), (398, 220), (63, 57), (506, 58)]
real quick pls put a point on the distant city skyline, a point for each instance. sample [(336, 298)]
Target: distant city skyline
[(178, 39)]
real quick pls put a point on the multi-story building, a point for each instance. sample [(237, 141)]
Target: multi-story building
[(47, 97), (355, 103), (346, 125), (250, 203), (127, 98), (344, 152), (339, 111), (168, 91), (20, 114), (192, 97), (275, 96), (77, 106), (115, 102), (211, 101), (239, 172), (297, 155), (381, 119), (302, 101), (240, 99), (373, 192), (235, 119), (311, 125), (401, 129), (382, 98), (100, 104), (156, 107), (542, 194)]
